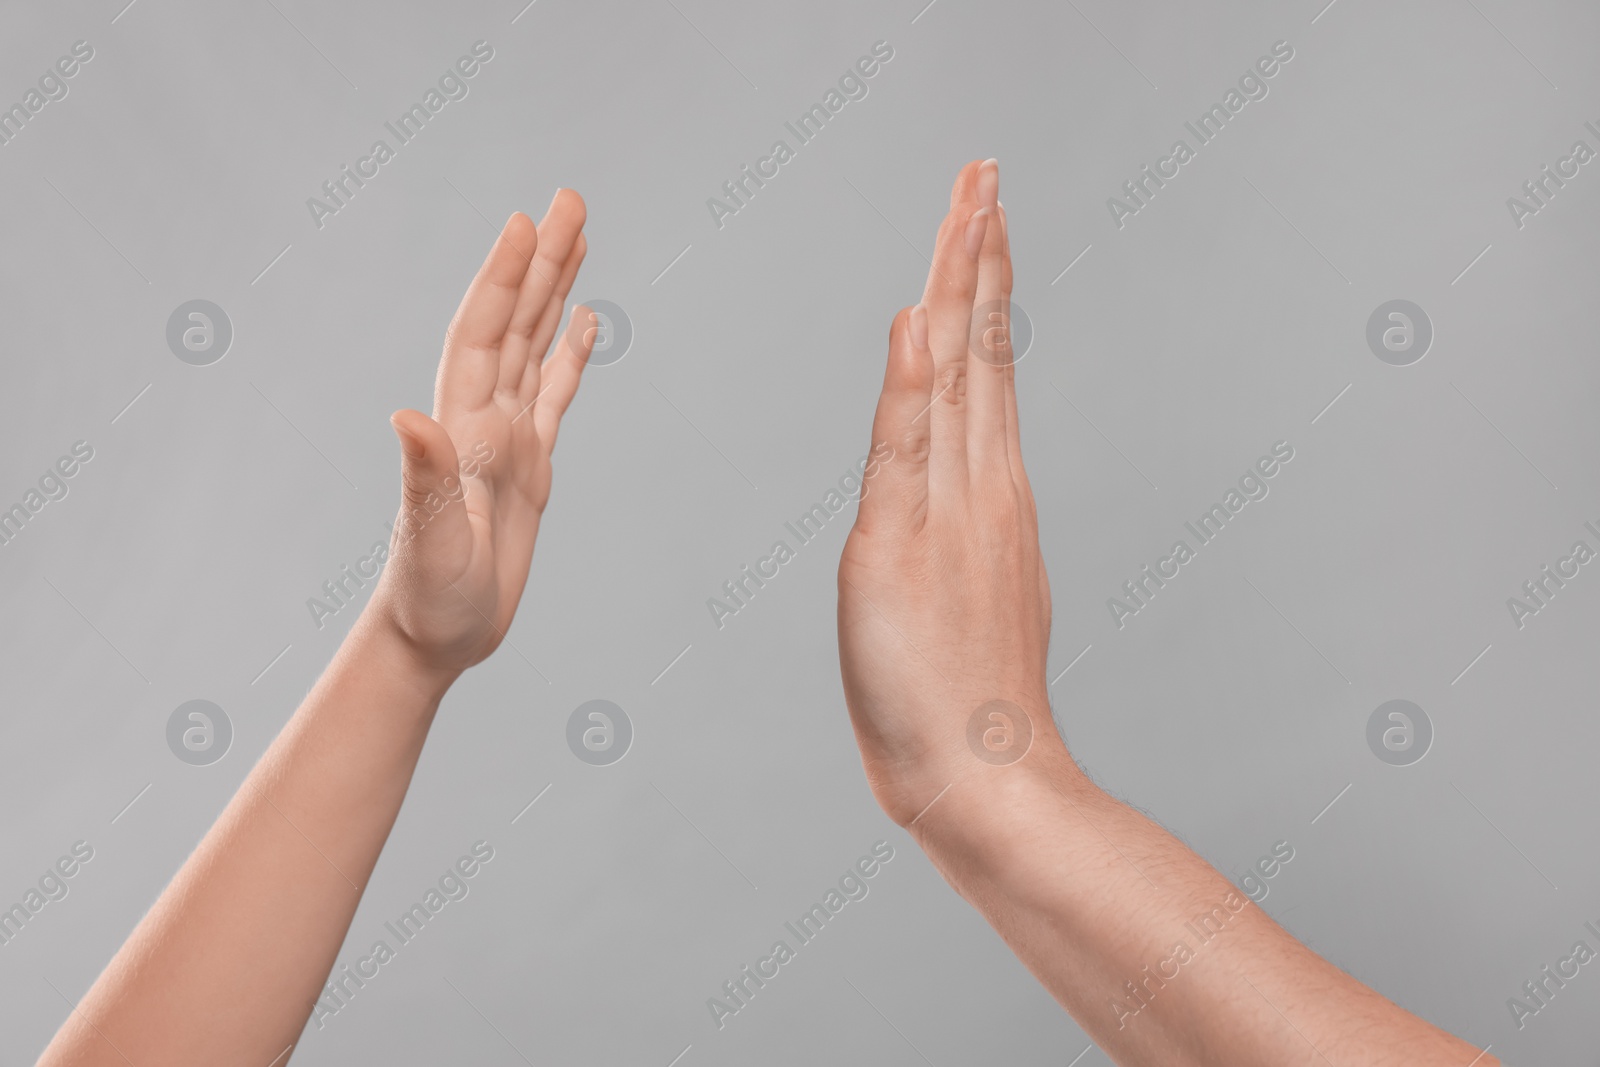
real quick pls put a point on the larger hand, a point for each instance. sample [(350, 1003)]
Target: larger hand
[(944, 605)]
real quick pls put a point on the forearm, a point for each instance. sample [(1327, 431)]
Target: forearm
[(1155, 954), (226, 965), (944, 622)]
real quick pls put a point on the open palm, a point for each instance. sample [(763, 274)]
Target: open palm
[(476, 476)]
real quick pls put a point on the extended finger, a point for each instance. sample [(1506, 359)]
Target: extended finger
[(1019, 474), (471, 362), (952, 283), (549, 323), (558, 235), (894, 484), (562, 372), (989, 343)]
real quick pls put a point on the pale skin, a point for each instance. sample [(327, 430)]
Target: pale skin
[(944, 606), (225, 967)]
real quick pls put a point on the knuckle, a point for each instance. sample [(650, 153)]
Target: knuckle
[(950, 383), (916, 446)]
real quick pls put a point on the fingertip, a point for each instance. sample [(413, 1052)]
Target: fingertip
[(962, 188), (988, 183), (910, 363), (518, 225), (570, 203), (584, 325), (521, 235), (409, 420), (410, 427), (897, 325)]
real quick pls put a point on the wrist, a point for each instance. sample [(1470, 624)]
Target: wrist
[(377, 638), (917, 755), (996, 821)]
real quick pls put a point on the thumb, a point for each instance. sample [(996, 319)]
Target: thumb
[(431, 489)]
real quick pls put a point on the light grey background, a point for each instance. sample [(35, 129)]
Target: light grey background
[(1224, 317)]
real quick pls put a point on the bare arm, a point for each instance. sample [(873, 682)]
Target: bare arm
[(226, 967), (1157, 956), (944, 621)]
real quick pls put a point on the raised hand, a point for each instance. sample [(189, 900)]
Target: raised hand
[(944, 623), (944, 606), (476, 476), (247, 932)]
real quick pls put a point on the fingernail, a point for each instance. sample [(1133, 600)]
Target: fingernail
[(408, 444), (989, 183), (976, 227), (919, 328)]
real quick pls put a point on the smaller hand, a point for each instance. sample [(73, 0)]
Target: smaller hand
[(476, 476), (944, 606)]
